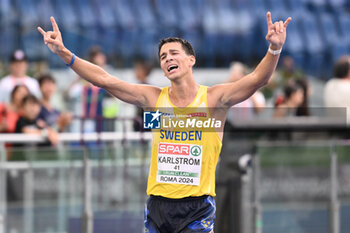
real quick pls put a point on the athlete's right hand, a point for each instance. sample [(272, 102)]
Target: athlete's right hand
[(53, 39)]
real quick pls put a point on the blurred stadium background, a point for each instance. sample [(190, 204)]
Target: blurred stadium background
[(221, 31), (298, 179)]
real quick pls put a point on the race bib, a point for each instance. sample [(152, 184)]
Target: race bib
[(179, 163)]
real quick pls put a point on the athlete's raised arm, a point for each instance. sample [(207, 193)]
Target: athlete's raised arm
[(138, 94), (226, 95)]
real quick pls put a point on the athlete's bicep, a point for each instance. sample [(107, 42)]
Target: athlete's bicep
[(138, 94), (229, 94)]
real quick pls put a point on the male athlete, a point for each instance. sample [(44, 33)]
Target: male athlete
[(180, 204)]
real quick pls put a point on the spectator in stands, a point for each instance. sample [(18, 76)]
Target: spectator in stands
[(29, 124), (9, 113), (250, 107), (97, 56), (51, 116), (86, 99), (18, 70), (337, 89), (142, 70), (293, 99), (303, 109), (288, 70)]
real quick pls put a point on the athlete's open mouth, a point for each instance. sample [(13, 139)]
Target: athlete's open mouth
[(172, 67)]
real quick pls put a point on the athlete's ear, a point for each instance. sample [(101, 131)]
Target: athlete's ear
[(192, 60)]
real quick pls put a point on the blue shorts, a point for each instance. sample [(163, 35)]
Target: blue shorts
[(191, 214)]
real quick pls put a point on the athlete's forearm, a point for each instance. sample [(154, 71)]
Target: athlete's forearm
[(138, 94), (232, 93), (266, 67), (88, 71)]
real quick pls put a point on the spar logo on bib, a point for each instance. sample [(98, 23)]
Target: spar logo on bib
[(174, 149), (196, 151)]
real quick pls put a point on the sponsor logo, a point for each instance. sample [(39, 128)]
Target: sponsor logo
[(196, 150), (174, 149)]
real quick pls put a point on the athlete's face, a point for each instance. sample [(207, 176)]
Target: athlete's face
[(174, 61)]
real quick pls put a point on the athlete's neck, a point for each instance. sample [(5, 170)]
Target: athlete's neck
[(183, 92)]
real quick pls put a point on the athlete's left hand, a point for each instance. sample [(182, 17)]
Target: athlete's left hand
[(276, 32)]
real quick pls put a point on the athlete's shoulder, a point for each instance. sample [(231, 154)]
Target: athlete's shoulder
[(157, 90), (153, 93)]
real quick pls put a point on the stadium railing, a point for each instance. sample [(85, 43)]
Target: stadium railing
[(65, 175), (298, 178)]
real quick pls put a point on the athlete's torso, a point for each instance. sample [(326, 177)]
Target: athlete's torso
[(183, 159)]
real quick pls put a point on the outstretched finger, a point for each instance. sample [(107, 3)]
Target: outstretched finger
[(41, 31), (268, 19), (54, 24), (287, 22)]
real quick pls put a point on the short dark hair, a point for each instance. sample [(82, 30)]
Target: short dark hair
[(185, 45), (45, 78), (341, 68), (30, 99)]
